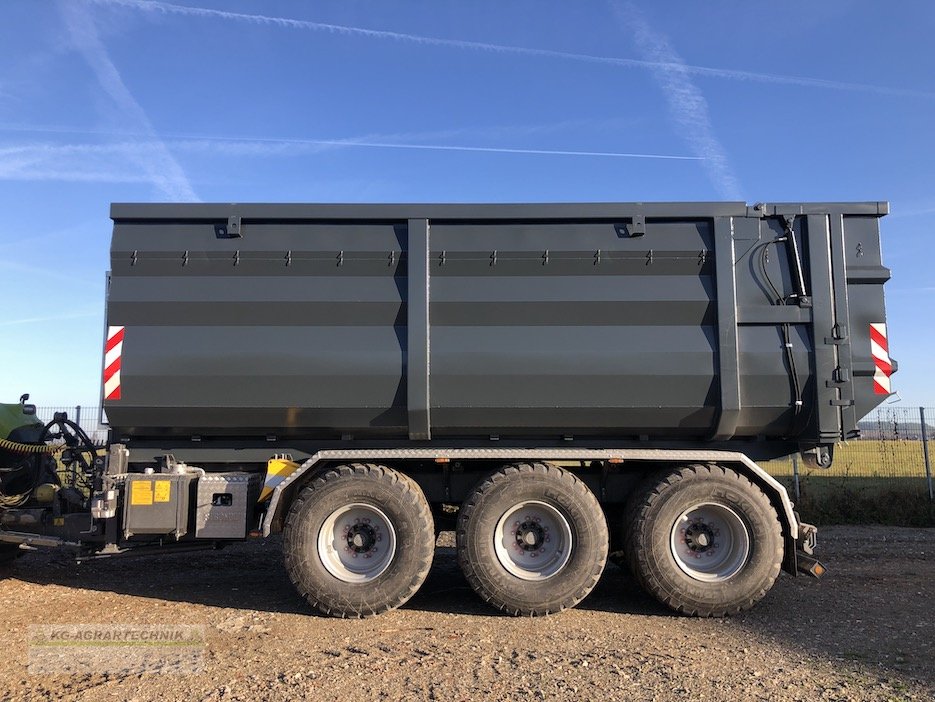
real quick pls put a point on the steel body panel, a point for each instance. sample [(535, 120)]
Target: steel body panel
[(458, 322), (474, 211)]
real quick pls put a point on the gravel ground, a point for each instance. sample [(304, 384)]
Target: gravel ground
[(865, 632)]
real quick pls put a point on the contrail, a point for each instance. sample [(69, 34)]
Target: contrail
[(475, 131), (53, 318), (914, 291), (159, 165), (106, 162), (21, 239), (896, 213), (52, 156), (80, 163), (51, 272), (687, 105), (446, 147), (156, 6)]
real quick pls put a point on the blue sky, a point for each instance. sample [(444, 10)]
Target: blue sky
[(126, 100)]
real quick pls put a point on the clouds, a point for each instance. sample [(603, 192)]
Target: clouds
[(661, 62), (79, 163), (687, 106), (152, 160), (685, 102), (49, 318), (155, 164), (107, 162)]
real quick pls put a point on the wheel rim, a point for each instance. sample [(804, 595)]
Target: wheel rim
[(710, 542), (356, 543), (533, 540)]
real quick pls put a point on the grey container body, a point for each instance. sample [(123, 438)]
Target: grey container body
[(531, 323)]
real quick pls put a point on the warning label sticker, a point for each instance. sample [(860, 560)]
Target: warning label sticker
[(141, 492), (163, 492)]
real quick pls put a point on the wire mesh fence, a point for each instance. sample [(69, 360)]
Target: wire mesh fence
[(88, 418), (894, 450)]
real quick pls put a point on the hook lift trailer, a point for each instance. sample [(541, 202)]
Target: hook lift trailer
[(560, 384)]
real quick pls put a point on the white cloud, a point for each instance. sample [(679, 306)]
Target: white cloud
[(79, 163), (106, 162), (50, 318), (271, 145), (157, 164), (920, 212), (51, 273), (290, 146), (687, 106), (165, 8)]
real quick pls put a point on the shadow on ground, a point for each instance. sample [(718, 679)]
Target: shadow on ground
[(873, 607), (251, 576)]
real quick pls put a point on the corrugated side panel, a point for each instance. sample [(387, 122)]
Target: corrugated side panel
[(538, 327), (572, 328), (293, 329)]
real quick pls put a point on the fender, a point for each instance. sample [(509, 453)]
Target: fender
[(777, 493)]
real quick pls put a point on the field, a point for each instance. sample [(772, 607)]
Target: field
[(870, 482), (866, 459)]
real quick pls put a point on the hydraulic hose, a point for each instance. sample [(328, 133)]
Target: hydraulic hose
[(17, 447)]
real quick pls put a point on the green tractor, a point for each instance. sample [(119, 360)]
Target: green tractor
[(20, 449), (18, 425), (45, 474)]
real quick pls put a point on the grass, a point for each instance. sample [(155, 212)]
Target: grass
[(870, 482), (889, 501), (865, 459)]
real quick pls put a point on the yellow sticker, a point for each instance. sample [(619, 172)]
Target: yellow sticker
[(141, 492), (163, 491), (58, 521)]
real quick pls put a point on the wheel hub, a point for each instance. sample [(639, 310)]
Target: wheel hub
[(361, 538), (700, 538), (357, 543), (530, 535), (710, 542), (533, 540)]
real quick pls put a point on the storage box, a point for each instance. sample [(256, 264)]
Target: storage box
[(156, 503), (225, 504)]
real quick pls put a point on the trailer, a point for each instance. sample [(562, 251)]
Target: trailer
[(557, 383)]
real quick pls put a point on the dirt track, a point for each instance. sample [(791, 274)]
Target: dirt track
[(866, 632)]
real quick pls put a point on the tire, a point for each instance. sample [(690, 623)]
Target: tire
[(703, 540), (540, 509), (359, 540)]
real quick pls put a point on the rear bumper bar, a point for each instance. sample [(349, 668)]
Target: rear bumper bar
[(805, 561)]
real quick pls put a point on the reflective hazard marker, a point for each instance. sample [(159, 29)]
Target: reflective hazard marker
[(112, 351), (879, 349)]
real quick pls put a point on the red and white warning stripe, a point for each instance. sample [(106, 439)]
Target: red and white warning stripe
[(112, 351), (879, 349)]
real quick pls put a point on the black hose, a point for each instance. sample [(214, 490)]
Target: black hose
[(779, 299)]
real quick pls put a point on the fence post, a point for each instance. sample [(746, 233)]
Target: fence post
[(78, 415), (795, 475), (925, 453)]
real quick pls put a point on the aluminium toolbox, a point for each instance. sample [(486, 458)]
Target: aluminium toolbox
[(225, 504)]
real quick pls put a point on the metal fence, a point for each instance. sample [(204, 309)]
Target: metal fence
[(894, 451), (88, 418)]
